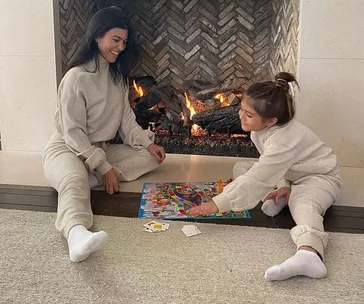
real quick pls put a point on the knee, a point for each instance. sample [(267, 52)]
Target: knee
[(132, 169), (305, 204), (73, 181)]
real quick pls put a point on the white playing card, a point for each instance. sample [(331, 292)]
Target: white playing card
[(190, 230), (154, 226), (147, 229)]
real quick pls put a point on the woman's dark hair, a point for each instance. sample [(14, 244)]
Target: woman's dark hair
[(103, 21), (273, 99)]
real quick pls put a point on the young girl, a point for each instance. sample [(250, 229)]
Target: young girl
[(294, 160), (92, 107)]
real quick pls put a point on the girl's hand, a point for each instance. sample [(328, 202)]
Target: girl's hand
[(111, 182), (157, 152), (284, 191), (204, 209)]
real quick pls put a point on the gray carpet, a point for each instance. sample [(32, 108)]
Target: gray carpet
[(224, 264)]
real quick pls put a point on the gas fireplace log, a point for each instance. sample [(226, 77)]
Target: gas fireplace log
[(154, 116), (224, 117), (231, 99), (227, 86), (195, 85), (203, 118), (172, 115), (169, 105), (168, 90), (213, 103), (144, 117), (236, 101), (144, 81), (178, 128), (172, 127), (146, 102), (185, 111), (225, 123)]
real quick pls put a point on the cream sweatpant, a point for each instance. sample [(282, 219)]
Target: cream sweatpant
[(67, 173), (310, 197)]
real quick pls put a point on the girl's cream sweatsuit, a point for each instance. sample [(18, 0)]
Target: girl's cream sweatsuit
[(291, 155), (90, 111)]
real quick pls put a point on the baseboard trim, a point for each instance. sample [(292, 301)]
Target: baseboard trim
[(126, 204)]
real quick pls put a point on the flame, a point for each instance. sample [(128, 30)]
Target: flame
[(222, 99), (188, 104), (196, 130), (138, 89)]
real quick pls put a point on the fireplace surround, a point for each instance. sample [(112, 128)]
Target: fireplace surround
[(189, 42)]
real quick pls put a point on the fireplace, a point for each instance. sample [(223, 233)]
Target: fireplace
[(197, 59)]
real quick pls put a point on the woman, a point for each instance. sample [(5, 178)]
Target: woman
[(92, 107)]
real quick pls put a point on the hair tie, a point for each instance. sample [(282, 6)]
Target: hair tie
[(282, 83)]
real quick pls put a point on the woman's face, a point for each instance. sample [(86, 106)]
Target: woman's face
[(112, 43)]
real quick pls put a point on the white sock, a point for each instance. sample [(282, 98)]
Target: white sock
[(93, 181), (304, 262), (271, 209), (82, 242)]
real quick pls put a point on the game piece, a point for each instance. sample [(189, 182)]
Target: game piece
[(220, 184), (190, 230), (173, 200), (229, 181)]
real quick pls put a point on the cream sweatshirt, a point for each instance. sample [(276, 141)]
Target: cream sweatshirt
[(91, 109), (288, 153)]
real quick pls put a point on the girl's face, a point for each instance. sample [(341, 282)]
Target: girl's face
[(112, 43), (250, 119)]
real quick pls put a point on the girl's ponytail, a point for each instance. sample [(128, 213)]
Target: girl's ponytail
[(283, 79)]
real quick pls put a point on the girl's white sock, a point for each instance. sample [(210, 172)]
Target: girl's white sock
[(304, 262), (82, 242), (271, 209)]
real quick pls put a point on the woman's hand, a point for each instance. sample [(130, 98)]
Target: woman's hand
[(111, 182), (204, 209), (284, 191), (157, 152)]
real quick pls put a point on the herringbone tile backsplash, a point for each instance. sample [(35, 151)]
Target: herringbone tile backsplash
[(198, 39)]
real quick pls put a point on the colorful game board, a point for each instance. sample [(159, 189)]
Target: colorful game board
[(172, 200)]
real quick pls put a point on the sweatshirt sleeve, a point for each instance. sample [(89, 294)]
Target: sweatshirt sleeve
[(283, 183), (130, 131), (73, 116), (247, 190)]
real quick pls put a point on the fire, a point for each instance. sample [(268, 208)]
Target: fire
[(222, 99), (138, 89), (188, 104), (154, 108), (195, 128)]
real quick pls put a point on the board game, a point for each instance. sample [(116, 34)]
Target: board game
[(172, 200)]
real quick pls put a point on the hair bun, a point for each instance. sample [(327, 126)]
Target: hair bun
[(282, 83)]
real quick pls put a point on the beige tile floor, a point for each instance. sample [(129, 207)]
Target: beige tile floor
[(25, 168)]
